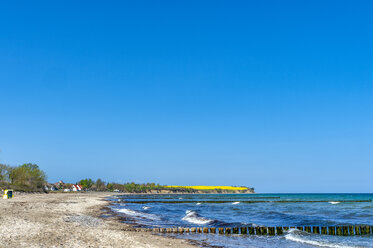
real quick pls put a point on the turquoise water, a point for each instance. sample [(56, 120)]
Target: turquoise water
[(228, 210)]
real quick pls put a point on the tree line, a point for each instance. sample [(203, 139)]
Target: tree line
[(30, 178), (100, 185), (25, 177)]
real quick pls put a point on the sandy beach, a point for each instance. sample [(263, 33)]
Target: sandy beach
[(69, 220)]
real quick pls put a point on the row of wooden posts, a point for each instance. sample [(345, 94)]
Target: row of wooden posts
[(262, 230)]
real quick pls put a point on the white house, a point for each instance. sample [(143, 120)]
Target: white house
[(76, 187)]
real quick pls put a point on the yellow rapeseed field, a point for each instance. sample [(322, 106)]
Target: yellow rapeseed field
[(209, 187)]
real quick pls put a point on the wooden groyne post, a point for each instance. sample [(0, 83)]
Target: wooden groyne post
[(263, 230)]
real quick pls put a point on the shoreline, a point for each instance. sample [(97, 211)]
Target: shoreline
[(71, 220), (136, 227)]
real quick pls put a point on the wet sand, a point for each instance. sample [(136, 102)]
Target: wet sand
[(69, 220)]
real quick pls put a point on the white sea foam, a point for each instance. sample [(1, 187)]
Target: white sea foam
[(138, 214), (294, 235), (198, 203), (145, 207), (193, 217), (235, 203), (334, 202), (180, 198)]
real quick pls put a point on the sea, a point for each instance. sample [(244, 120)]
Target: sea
[(232, 210)]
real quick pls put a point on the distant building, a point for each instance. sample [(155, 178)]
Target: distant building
[(50, 187), (76, 187), (60, 184)]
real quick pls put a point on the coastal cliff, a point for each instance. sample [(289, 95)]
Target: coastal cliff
[(215, 191)]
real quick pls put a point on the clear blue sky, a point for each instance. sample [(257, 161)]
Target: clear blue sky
[(277, 95)]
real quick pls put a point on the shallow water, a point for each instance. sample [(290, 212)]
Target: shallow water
[(221, 210)]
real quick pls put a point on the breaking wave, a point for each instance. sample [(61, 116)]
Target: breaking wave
[(334, 202), (297, 236), (138, 214), (193, 217)]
